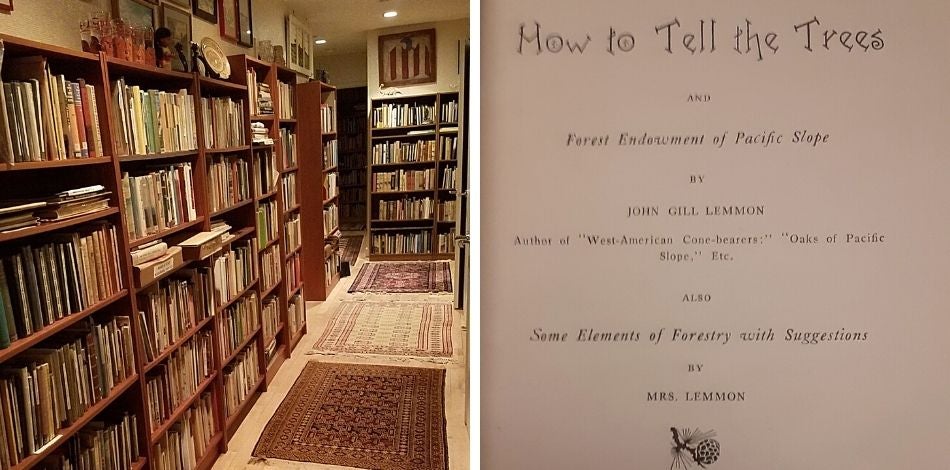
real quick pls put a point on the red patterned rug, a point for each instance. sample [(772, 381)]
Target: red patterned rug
[(393, 328), (363, 416), (413, 277)]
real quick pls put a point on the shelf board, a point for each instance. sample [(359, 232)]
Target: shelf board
[(446, 222), (237, 236), (331, 169), (211, 452), (22, 344), (413, 228), (403, 128), (414, 191), (237, 297), (288, 121), (297, 336), (157, 156), (332, 199), (269, 244), (270, 290), (169, 231), (401, 221), (353, 185), (405, 136), (59, 225), (157, 434), (294, 208), (241, 411), (119, 67), (329, 134), (293, 252), (262, 117), (400, 164), (240, 148), (243, 344), (294, 291), (177, 344), (441, 190), (447, 131), (216, 85), (289, 169), (21, 47), (54, 164), (455, 161), (64, 434), (239, 205), (268, 195)]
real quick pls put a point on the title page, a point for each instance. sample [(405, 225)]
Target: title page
[(715, 235)]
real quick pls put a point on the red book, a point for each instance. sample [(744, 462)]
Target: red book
[(89, 130), (80, 118)]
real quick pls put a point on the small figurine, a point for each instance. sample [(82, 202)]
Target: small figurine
[(164, 54)]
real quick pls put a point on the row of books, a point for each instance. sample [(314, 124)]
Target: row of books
[(327, 118), (45, 389), (402, 115), (289, 191), (403, 152), (223, 120), (173, 307), (186, 441), (293, 273), (448, 147), (287, 103), (288, 148), (330, 185), (179, 377), (446, 210), (449, 112), (446, 241), (448, 177), (350, 211), (270, 318), (400, 243), (331, 219), (292, 237), (238, 321), (152, 121), (243, 376), (353, 178), (354, 125), (351, 160), (270, 267), (330, 156), (296, 314), (261, 102), (228, 181), (234, 270), (267, 174), (44, 117), (407, 208), (403, 180), (105, 443), (160, 199), (268, 222), (353, 195), (332, 266), (40, 284)]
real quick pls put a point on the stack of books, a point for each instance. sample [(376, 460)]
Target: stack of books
[(259, 134)]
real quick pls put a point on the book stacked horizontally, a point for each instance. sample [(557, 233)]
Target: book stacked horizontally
[(45, 117), (259, 134), (265, 104), (63, 205)]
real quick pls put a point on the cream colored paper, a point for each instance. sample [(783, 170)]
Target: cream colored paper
[(874, 393)]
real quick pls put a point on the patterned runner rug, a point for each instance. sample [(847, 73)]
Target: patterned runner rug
[(409, 277), (393, 328), (363, 416), (350, 248)]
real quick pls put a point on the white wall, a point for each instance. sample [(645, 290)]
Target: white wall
[(447, 37), (345, 70)]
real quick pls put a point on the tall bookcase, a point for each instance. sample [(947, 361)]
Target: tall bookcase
[(413, 162), (352, 139), (199, 360), (319, 170)]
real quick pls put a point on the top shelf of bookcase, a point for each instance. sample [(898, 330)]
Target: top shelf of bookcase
[(122, 68), (21, 47), (216, 86)]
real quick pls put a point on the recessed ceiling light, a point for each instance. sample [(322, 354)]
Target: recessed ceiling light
[(390, 14), (320, 41)]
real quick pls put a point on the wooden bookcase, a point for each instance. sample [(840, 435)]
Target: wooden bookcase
[(35, 179), (315, 100), (430, 128), (352, 139)]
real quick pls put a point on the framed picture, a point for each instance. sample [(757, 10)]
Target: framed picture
[(407, 58), (299, 46), (135, 11), (178, 21), (245, 28), (186, 4), (6, 5), (206, 10)]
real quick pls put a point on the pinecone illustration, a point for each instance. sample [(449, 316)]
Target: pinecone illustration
[(707, 452)]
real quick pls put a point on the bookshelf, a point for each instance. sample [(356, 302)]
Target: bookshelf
[(319, 203), (413, 161), (352, 147), (149, 312)]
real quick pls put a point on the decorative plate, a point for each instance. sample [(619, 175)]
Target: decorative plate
[(216, 58)]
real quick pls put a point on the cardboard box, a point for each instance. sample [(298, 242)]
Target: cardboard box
[(147, 272)]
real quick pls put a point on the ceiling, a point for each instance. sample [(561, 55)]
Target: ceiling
[(343, 23)]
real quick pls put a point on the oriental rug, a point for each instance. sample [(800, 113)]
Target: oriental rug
[(419, 329), (350, 248), (401, 278), (363, 416)]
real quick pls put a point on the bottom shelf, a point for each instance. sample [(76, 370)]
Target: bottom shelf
[(234, 421), (280, 355), (297, 337), (211, 453)]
